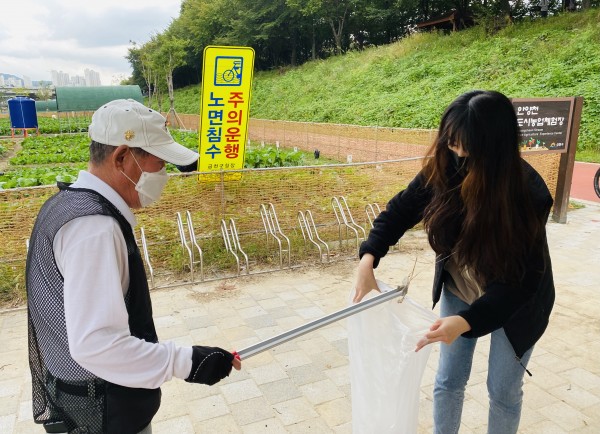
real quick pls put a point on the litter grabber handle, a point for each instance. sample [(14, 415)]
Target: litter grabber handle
[(318, 323)]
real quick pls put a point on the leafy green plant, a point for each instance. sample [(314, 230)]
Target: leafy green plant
[(33, 176), (59, 124), (63, 156), (189, 139), (271, 156), (53, 149)]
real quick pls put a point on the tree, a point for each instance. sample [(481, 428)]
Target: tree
[(133, 57), (377, 22), (140, 59), (169, 54), (270, 27), (333, 12), (310, 11), (44, 92)]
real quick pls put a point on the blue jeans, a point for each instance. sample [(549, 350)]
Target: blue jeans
[(504, 381)]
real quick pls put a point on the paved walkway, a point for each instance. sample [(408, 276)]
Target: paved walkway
[(582, 185), (303, 385)]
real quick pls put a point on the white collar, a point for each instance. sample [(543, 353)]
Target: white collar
[(92, 182)]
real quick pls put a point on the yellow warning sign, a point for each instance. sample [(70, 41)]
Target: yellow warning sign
[(224, 110)]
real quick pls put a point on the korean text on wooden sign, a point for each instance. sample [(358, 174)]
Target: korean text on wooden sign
[(224, 105), (544, 123)]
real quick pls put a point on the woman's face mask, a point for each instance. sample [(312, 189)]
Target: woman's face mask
[(460, 163), (459, 158), (150, 185)]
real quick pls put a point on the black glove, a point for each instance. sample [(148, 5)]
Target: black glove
[(209, 365)]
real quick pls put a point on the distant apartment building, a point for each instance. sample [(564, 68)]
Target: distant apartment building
[(60, 78), (92, 78), (78, 80), (13, 82)]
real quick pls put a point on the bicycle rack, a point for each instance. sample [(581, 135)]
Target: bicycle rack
[(340, 212), (191, 246), (308, 226), (147, 256), (373, 210), (232, 243), (271, 224)]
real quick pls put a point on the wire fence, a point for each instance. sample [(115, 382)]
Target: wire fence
[(365, 184), (346, 143)]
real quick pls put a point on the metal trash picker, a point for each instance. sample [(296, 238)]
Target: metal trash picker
[(267, 344)]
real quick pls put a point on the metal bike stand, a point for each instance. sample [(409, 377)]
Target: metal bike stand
[(271, 224), (195, 247), (232, 243), (267, 344), (147, 256), (184, 244), (372, 210), (356, 225), (341, 219), (190, 244), (307, 226), (340, 212)]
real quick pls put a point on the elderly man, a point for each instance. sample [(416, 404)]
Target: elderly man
[(96, 363)]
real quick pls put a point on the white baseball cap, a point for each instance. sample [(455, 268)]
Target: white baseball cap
[(127, 122)]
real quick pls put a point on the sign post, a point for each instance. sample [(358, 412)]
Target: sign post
[(224, 111), (551, 125)]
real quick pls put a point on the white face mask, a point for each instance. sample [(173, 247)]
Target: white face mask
[(150, 185)]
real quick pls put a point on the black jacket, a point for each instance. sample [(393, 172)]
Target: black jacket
[(522, 310)]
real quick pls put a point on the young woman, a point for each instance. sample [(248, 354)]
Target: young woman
[(484, 209)]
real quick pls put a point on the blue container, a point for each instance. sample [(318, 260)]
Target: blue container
[(22, 113)]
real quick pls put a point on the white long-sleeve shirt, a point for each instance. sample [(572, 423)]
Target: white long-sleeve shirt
[(91, 254)]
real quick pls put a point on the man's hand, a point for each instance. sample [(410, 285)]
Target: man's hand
[(237, 363), (444, 330), (211, 364)]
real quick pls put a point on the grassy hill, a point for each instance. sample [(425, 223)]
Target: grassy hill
[(409, 83)]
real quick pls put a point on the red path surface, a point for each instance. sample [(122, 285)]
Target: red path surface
[(583, 178)]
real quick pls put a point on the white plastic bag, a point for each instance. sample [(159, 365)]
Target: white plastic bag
[(385, 371)]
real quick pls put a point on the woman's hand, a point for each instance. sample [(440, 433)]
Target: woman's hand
[(444, 330), (365, 278)]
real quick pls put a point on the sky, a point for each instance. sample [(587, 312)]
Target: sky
[(37, 36)]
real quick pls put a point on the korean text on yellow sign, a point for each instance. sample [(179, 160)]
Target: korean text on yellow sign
[(224, 105)]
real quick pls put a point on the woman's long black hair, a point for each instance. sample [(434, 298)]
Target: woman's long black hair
[(481, 211)]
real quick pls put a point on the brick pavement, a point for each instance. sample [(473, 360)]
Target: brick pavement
[(303, 386)]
